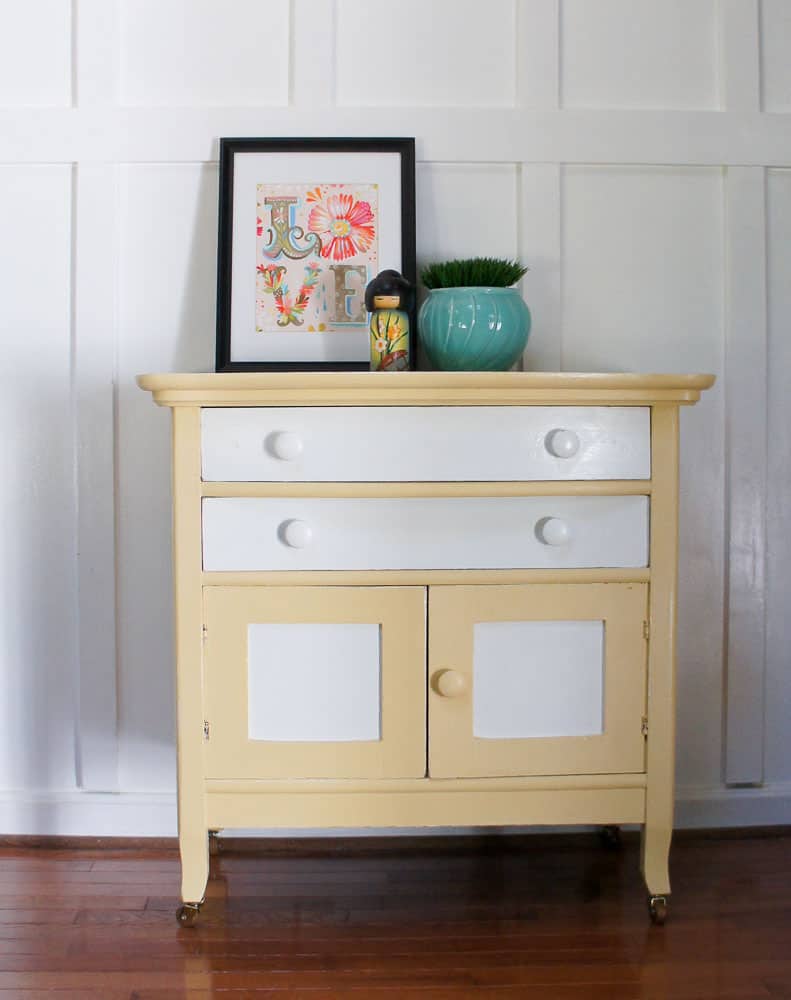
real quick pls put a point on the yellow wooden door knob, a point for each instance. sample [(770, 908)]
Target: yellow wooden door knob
[(450, 683)]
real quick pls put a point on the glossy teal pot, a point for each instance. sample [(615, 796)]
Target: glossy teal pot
[(473, 329)]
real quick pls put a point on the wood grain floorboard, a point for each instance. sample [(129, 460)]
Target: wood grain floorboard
[(535, 918)]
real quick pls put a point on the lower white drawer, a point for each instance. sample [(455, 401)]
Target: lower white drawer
[(291, 533)]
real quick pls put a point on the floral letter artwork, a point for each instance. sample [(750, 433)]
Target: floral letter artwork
[(316, 250)]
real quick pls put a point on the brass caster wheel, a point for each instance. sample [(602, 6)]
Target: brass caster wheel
[(610, 837), (188, 914), (657, 909)]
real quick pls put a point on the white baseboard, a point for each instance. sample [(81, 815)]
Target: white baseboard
[(717, 806), (72, 813), (88, 814)]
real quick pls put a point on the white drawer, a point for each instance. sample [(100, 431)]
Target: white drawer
[(425, 443), (262, 533)]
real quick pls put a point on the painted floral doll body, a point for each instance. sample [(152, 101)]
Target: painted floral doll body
[(389, 300), (389, 335)]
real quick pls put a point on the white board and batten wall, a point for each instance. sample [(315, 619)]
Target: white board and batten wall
[(635, 153)]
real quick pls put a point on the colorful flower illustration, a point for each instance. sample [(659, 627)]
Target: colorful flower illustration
[(290, 312), (344, 225), (325, 223)]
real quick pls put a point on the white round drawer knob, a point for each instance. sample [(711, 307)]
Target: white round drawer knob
[(562, 443), (553, 531), (450, 683), (286, 446), (296, 534)]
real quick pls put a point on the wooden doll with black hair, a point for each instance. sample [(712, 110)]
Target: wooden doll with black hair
[(390, 299)]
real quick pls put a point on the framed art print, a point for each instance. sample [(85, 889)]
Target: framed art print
[(305, 224)]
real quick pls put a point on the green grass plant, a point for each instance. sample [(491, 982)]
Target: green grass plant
[(478, 272)]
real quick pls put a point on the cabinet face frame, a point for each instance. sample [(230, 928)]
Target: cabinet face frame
[(399, 611), (454, 752)]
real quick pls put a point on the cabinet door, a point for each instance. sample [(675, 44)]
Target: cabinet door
[(315, 682), (537, 680)]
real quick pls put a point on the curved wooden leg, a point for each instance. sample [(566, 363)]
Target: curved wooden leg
[(654, 855), (194, 848)]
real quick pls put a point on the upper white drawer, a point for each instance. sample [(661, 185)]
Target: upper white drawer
[(425, 443)]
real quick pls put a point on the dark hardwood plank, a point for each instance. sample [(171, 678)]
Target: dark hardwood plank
[(543, 918), (20, 916), (101, 993), (586, 992)]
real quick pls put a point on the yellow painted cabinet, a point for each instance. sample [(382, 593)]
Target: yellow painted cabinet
[(425, 599)]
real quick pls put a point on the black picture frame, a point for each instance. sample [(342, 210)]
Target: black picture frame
[(231, 150)]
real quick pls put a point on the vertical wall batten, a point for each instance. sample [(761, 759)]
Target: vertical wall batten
[(746, 458), (312, 53), (540, 200), (778, 579), (746, 411), (539, 184), (740, 55), (94, 375), (538, 54), (96, 40)]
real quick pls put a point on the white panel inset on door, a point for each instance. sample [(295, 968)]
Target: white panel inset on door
[(314, 683), (538, 679)]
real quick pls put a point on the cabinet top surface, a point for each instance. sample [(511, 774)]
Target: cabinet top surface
[(421, 388)]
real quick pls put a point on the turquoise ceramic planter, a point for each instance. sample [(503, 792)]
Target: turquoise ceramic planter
[(473, 329)]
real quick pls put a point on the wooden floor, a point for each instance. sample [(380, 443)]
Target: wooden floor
[(540, 918)]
